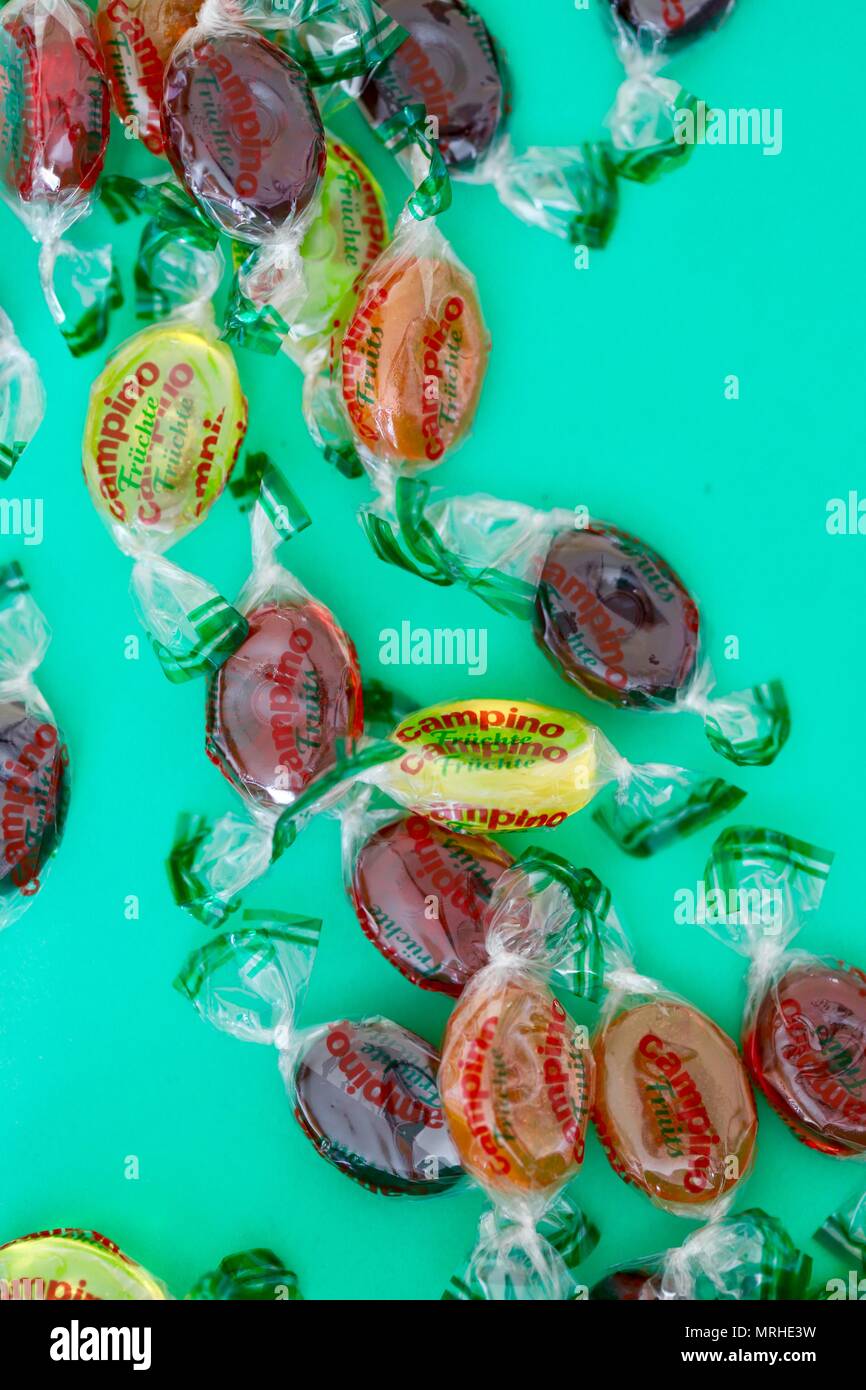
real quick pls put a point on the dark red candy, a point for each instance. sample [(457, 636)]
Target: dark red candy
[(33, 799), (668, 21), (366, 1094), (615, 618), (625, 1286), (421, 893), (450, 63), (806, 1049), (242, 130), (286, 703), (54, 102)]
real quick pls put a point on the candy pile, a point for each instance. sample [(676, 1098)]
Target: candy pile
[(233, 101)]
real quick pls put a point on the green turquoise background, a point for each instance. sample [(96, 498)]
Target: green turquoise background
[(606, 387)]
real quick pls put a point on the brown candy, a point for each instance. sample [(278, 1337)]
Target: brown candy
[(674, 1108)]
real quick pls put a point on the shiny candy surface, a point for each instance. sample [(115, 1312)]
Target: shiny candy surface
[(806, 1049), (615, 618), (490, 765), (450, 63), (165, 423), (33, 798), (282, 703), (674, 1108), (413, 360), (243, 132), (516, 1083), (668, 21), (421, 894), (54, 102), (137, 38), (367, 1097), (68, 1264)]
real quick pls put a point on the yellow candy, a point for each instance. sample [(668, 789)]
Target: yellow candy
[(66, 1265), (498, 764), (165, 423)]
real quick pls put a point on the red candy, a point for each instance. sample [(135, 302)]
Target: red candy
[(281, 704), (421, 894), (242, 130), (54, 102), (806, 1049)]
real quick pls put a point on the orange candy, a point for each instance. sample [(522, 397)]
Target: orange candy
[(413, 359), (674, 1108), (516, 1085)]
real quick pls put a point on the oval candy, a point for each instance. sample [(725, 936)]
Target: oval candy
[(137, 38), (406, 868), (615, 619), (54, 102), (282, 702), (366, 1095), (243, 133), (516, 1084), (413, 359), (166, 420), (450, 63), (674, 1109), (34, 795), (806, 1049)]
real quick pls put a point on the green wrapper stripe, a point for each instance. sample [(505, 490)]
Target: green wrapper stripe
[(90, 331), (12, 583), (844, 1232), (648, 164), (374, 37), (642, 826), (9, 456), (219, 630), (409, 127), (577, 946), (258, 327), (259, 945), (566, 1229), (282, 506), (413, 544), (346, 769), (245, 483), (768, 706), (188, 889), (250, 1274), (740, 850)]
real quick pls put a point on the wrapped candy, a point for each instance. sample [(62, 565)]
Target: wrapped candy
[(69, 1264), (22, 398), (498, 765), (164, 427), (54, 116), (137, 38), (413, 355), (473, 765), (34, 779), (284, 697), (650, 114), (674, 1109), (747, 1257), (804, 1029), (421, 892), (450, 62), (363, 1092), (609, 612), (517, 1076)]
